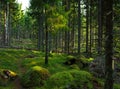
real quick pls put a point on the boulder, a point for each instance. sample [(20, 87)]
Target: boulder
[(35, 76), (97, 68)]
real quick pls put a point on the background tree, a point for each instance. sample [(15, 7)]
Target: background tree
[(79, 25)]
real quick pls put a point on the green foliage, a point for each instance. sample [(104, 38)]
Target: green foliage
[(56, 20), (35, 77), (70, 57)]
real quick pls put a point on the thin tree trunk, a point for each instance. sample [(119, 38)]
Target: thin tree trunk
[(40, 33), (73, 36), (99, 26), (49, 42), (5, 16), (9, 26), (87, 28), (68, 42), (91, 27), (79, 26), (1, 24), (46, 41)]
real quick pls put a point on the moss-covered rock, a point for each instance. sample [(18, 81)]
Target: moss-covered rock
[(70, 60), (6, 76), (35, 76), (97, 66), (82, 80), (58, 80), (81, 61), (116, 86), (74, 66), (73, 79)]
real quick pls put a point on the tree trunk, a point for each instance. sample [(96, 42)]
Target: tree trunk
[(100, 26), (67, 33), (109, 44), (87, 28), (66, 42), (1, 23), (42, 32), (39, 33), (46, 40), (90, 27), (79, 25)]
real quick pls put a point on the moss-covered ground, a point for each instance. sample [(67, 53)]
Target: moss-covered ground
[(61, 76)]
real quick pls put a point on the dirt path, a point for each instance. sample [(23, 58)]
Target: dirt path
[(17, 84)]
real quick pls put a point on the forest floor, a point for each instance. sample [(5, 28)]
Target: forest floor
[(17, 83), (20, 61)]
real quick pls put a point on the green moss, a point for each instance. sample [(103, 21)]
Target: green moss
[(73, 79), (4, 87), (116, 86), (70, 57), (35, 77), (85, 60), (62, 75), (59, 79), (81, 79), (74, 66)]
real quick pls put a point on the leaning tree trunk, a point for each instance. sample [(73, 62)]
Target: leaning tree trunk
[(109, 41)]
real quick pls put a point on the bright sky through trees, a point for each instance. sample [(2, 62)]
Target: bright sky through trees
[(25, 3)]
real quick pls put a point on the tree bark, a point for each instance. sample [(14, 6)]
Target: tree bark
[(46, 41), (109, 44), (100, 25), (79, 26), (90, 48), (87, 28)]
